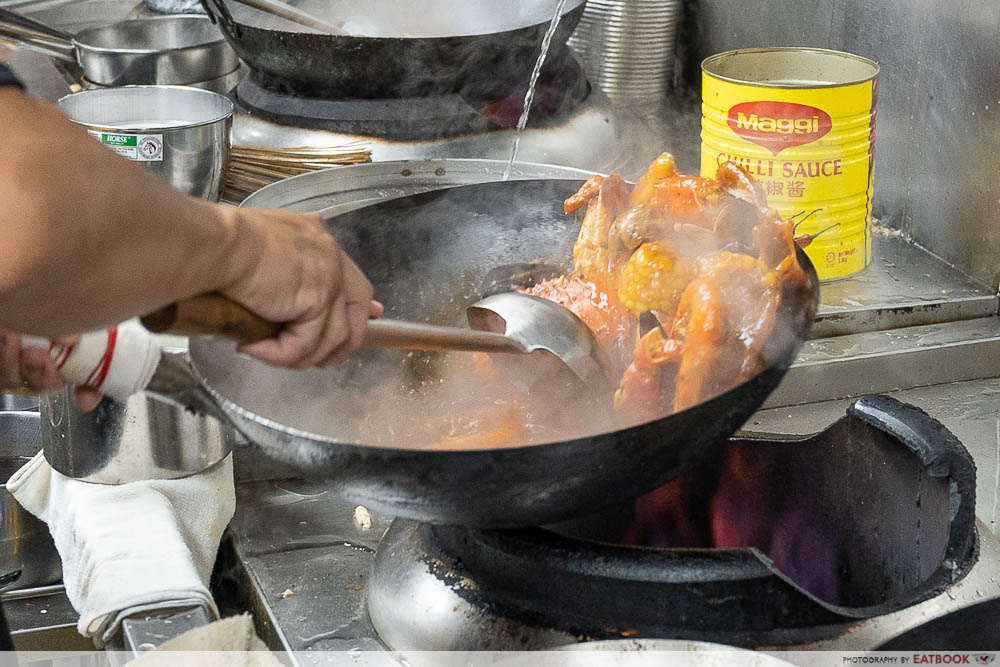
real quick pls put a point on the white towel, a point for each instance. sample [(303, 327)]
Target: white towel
[(227, 643), (131, 545)]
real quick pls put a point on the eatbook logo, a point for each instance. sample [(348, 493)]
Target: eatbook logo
[(779, 125), (985, 658)]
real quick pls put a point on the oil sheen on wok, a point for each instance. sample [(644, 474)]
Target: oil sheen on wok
[(679, 277)]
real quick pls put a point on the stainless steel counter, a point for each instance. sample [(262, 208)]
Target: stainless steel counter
[(905, 286)]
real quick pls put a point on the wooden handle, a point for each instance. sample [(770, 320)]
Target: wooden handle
[(211, 314)]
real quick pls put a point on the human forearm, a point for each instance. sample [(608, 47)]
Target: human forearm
[(88, 238)]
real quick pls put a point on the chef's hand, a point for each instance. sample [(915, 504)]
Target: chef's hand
[(33, 368), (290, 269)]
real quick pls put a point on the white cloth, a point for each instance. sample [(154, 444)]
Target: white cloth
[(227, 643), (134, 544)]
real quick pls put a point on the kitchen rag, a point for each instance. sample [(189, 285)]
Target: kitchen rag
[(227, 643), (134, 546)]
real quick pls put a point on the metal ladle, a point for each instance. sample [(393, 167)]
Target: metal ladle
[(564, 352)]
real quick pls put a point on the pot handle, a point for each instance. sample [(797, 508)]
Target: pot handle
[(36, 36)]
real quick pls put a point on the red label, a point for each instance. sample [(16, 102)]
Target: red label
[(779, 125)]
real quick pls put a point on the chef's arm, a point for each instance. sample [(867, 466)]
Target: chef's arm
[(88, 239)]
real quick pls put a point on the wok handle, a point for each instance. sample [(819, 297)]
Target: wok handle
[(211, 314), (397, 335), (36, 36)]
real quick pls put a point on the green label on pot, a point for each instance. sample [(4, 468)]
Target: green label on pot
[(138, 147)]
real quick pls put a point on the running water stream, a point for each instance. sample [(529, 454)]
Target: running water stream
[(529, 97)]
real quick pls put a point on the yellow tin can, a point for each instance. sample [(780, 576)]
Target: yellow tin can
[(802, 122)]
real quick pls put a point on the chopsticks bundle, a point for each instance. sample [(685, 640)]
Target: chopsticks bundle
[(253, 167)]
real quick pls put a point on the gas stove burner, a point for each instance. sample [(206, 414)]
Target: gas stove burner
[(787, 540), (560, 91)]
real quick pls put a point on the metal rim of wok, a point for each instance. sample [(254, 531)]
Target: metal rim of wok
[(481, 68), (500, 487)]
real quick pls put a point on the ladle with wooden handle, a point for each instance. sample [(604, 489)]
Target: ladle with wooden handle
[(548, 348), (214, 314), (508, 322)]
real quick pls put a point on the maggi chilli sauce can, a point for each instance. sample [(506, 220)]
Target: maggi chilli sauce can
[(801, 122)]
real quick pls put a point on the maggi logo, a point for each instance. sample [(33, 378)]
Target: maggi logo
[(779, 125)]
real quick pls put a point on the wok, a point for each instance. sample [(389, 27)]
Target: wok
[(480, 49), (426, 255)]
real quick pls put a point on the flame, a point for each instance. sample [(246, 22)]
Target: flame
[(742, 503)]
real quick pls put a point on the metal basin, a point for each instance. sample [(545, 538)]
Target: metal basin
[(127, 442), (180, 133)]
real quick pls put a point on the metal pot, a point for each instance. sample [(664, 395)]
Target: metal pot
[(28, 557), (221, 85), (127, 442), (180, 133), (157, 50)]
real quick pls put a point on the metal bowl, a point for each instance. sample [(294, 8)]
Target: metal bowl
[(118, 443), (182, 134)]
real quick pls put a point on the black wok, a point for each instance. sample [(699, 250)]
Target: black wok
[(480, 49), (426, 255)]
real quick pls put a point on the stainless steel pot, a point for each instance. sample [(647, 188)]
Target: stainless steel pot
[(221, 85), (128, 442), (28, 557), (156, 50), (180, 133)]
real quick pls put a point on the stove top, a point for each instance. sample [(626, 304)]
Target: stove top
[(408, 586)]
